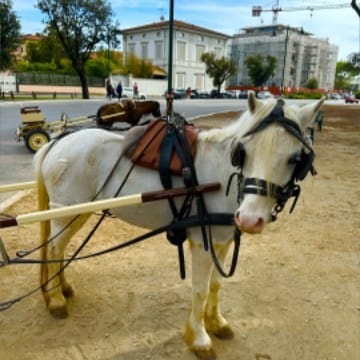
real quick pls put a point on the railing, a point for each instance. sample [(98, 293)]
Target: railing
[(36, 94)]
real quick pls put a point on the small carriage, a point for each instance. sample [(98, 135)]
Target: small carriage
[(36, 131)]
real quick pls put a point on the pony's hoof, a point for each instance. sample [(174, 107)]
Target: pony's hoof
[(58, 309), (67, 291), (224, 333), (205, 354)]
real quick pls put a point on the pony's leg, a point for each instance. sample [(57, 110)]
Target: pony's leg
[(54, 284), (67, 289), (214, 320), (196, 335)]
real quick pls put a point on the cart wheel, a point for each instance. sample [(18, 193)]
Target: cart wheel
[(35, 139)]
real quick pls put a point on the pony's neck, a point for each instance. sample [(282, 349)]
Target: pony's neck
[(216, 135)]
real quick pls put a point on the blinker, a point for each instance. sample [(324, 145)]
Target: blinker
[(238, 155), (304, 166)]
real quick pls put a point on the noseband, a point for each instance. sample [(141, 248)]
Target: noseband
[(282, 194)]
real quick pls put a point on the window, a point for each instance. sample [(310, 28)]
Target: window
[(144, 50), (199, 81), (131, 48), (200, 49), (180, 80), (217, 51), (180, 51), (158, 50)]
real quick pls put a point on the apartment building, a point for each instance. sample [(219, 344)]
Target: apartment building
[(151, 42), (299, 55)]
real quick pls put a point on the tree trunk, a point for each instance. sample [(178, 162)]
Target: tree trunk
[(84, 84), (219, 90)]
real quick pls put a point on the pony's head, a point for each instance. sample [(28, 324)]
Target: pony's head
[(156, 113), (272, 155)]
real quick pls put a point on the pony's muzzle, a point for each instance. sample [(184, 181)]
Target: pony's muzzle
[(250, 224)]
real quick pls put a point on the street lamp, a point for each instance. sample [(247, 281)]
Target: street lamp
[(1, 3), (284, 62), (108, 52)]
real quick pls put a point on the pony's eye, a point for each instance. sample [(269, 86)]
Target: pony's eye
[(294, 159)]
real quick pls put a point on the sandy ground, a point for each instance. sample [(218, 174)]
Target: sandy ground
[(295, 294)]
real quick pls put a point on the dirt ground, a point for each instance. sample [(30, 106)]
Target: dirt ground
[(295, 294)]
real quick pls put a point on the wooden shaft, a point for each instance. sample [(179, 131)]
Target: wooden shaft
[(18, 186), (104, 117), (112, 203), (78, 209)]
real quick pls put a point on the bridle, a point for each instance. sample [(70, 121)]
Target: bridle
[(303, 164)]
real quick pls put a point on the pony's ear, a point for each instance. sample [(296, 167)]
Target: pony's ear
[(308, 112), (253, 102)]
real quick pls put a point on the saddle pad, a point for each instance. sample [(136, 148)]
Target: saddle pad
[(147, 152)]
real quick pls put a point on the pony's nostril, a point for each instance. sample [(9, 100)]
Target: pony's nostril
[(260, 222), (237, 213)]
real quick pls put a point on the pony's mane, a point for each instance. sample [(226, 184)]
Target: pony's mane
[(245, 122), (239, 127)]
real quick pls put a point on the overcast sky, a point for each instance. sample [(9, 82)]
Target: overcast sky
[(341, 25)]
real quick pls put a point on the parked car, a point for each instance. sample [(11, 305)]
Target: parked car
[(177, 93), (243, 94), (265, 95), (335, 96), (199, 94), (223, 94), (129, 93), (230, 94), (351, 100), (203, 94)]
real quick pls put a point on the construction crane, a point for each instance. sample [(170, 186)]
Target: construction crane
[(257, 10)]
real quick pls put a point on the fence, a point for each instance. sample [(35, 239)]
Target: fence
[(26, 78)]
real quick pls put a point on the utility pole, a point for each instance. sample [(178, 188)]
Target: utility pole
[(284, 63)]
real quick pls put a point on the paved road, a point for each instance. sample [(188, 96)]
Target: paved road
[(16, 160)]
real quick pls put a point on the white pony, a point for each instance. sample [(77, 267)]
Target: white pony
[(76, 167)]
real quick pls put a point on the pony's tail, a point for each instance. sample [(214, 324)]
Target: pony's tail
[(43, 204)]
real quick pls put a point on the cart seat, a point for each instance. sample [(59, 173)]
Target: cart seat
[(31, 114)]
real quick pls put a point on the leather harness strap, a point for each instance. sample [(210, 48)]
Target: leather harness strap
[(176, 141)]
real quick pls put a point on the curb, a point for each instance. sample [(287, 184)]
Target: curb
[(14, 199)]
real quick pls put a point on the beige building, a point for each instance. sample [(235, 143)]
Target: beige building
[(25, 40), (299, 55), (189, 43)]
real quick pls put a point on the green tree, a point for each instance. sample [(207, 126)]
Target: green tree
[(219, 69), (80, 25), (99, 65), (354, 64), (138, 67), (9, 34), (345, 70), (312, 83), (260, 68), (50, 48)]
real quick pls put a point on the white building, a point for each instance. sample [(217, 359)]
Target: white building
[(299, 55), (189, 43)]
